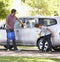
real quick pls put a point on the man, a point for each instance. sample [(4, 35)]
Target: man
[(10, 21), (47, 36)]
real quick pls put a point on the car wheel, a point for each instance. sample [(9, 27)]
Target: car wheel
[(9, 48), (56, 48), (40, 43)]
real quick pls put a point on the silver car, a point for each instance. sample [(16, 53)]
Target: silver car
[(28, 34)]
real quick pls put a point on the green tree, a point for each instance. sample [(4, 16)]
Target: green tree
[(4, 8), (44, 7)]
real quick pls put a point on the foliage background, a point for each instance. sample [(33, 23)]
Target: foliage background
[(44, 7), (39, 7)]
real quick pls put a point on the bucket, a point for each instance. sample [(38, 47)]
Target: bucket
[(11, 35)]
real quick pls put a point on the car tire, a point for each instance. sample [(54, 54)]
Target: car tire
[(56, 48), (39, 44)]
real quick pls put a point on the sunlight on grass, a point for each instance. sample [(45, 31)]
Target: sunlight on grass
[(28, 47), (46, 60), (27, 59)]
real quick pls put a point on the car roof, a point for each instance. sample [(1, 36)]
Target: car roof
[(39, 17)]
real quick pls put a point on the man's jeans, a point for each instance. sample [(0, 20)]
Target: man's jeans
[(48, 39), (13, 41)]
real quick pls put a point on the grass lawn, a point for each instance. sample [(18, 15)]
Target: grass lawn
[(27, 59)]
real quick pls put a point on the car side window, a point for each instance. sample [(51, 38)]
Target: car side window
[(17, 25), (30, 23), (48, 21)]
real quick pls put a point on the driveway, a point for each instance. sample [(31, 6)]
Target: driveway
[(30, 52)]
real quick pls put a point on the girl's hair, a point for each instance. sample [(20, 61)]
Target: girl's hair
[(37, 25)]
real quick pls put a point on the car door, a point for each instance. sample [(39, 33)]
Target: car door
[(3, 34), (52, 24), (27, 35)]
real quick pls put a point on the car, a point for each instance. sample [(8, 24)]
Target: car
[(27, 35)]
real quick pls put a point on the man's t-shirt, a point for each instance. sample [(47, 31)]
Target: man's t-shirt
[(10, 21)]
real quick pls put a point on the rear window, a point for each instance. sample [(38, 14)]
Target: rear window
[(47, 21)]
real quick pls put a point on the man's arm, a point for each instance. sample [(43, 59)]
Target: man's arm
[(19, 21)]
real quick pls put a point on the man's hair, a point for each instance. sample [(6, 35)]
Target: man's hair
[(13, 10)]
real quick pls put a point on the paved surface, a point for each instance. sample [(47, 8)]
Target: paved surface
[(30, 53)]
